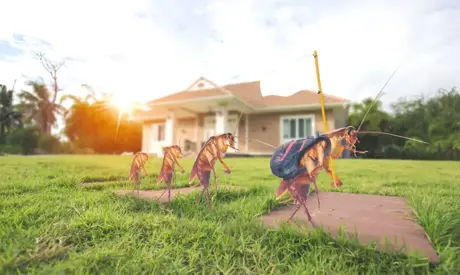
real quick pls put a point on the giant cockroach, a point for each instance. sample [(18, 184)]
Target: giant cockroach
[(140, 158), (347, 137), (298, 162), (206, 159), (170, 160)]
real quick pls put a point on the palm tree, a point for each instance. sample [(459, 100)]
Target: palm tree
[(9, 117), (38, 106)]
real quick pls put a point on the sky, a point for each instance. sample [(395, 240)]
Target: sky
[(141, 50)]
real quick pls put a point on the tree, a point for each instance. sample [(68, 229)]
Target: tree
[(52, 68), (94, 124), (37, 106), (435, 120), (10, 118)]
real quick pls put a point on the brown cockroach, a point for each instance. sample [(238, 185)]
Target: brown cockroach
[(347, 137), (140, 158), (299, 161), (211, 151), (313, 159), (170, 160)]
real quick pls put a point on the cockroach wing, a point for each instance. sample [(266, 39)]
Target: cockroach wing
[(282, 189), (139, 160), (286, 159)]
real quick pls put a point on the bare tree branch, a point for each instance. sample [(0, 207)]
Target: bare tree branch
[(52, 68)]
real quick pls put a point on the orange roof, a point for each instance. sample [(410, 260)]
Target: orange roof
[(250, 93)]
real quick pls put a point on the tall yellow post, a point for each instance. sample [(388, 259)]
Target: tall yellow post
[(321, 99)]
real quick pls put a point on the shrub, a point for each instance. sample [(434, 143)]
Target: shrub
[(26, 139)]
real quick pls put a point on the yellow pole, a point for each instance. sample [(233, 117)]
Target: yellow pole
[(321, 99)]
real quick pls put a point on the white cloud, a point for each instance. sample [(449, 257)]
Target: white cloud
[(143, 54), (359, 44), (128, 48)]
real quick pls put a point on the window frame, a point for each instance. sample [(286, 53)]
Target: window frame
[(297, 118)]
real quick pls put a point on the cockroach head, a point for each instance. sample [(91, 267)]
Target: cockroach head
[(351, 135), (177, 150), (229, 139)]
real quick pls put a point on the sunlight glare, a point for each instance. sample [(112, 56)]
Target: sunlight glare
[(124, 104)]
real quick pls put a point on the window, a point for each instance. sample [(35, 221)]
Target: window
[(161, 132), (296, 127)]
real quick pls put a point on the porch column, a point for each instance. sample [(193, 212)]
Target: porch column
[(147, 135), (169, 129), (246, 134), (221, 121), (197, 139)]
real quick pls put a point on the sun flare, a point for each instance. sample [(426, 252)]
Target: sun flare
[(124, 104)]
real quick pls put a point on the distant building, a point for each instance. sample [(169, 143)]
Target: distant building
[(205, 109)]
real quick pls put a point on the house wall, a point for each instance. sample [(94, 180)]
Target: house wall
[(149, 132), (341, 117), (184, 130), (266, 128)]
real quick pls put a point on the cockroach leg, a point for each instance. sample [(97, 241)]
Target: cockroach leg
[(227, 170), (169, 194), (288, 200), (175, 182), (306, 211), (199, 198), (215, 177), (162, 194), (295, 211), (209, 199), (317, 192)]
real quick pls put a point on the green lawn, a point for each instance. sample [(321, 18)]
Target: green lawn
[(50, 224)]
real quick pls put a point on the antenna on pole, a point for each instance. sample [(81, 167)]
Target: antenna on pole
[(321, 99)]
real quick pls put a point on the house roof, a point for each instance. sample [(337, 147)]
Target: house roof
[(300, 98), (250, 93), (185, 95)]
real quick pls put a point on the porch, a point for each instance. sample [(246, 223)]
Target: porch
[(190, 127)]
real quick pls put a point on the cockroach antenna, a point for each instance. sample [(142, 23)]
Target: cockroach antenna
[(372, 104), (389, 134), (237, 123), (377, 97), (268, 144)]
